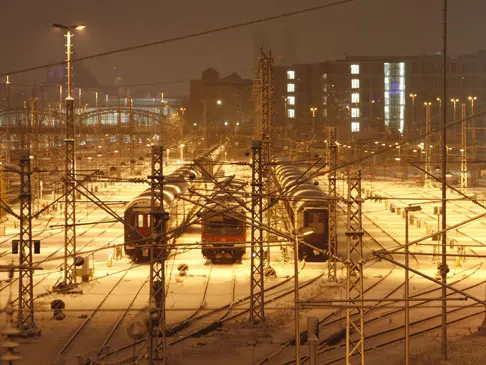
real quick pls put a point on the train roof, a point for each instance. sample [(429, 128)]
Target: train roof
[(176, 182), (303, 195)]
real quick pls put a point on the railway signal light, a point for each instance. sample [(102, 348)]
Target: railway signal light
[(35, 243)]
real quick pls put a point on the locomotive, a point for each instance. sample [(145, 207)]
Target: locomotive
[(137, 211), (223, 228), (307, 206)]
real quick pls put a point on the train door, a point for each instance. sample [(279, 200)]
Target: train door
[(317, 220), (142, 222)]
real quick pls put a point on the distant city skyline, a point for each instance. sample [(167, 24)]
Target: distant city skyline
[(396, 28)]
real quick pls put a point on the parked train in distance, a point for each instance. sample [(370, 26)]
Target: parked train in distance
[(137, 211), (306, 205)]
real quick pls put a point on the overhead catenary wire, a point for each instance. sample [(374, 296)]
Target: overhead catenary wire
[(184, 37)]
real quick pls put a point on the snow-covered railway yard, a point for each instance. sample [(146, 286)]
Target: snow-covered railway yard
[(207, 306)]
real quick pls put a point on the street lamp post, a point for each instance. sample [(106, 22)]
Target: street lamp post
[(182, 110), (313, 111), (70, 169), (454, 102), (472, 99), (407, 284), (427, 144), (412, 96), (117, 158)]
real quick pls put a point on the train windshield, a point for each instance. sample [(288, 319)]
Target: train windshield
[(223, 225), (317, 220)]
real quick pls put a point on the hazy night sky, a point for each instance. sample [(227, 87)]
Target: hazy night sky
[(363, 27)]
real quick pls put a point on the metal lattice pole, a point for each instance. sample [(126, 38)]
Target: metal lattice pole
[(267, 113), (69, 182), (428, 153), (266, 103), (158, 252), (257, 312), (332, 239), (354, 272), (70, 200), (25, 321), (463, 147)]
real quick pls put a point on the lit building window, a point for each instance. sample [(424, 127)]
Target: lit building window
[(354, 112), (324, 112), (290, 75), (324, 76), (324, 100), (290, 88), (355, 69), (354, 126), (355, 84), (355, 97), (291, 113), (291, 100), (395, 95)]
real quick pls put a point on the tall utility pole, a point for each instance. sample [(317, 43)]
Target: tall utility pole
[(158, 253), (427, 182), (25, 321), (70, 170), (332, 239), (267, 112), (266, 102), (7, 122), (443, 267), (69, 182), (257, 311), (132, 141), (35, 151), (473, 128), (354, 272), (463, 147)]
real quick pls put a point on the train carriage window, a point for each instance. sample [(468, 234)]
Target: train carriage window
[(142, 220), (223, 225)]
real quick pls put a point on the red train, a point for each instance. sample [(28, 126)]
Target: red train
[(223, 230)]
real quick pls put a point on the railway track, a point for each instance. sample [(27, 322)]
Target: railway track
[(197, 326), (327, 322), (381, 338), (45, 275), (69, 347)]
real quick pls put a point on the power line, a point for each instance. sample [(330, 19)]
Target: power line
[(184, 37)]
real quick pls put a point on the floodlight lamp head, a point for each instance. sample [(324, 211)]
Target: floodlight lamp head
[(413, 208)]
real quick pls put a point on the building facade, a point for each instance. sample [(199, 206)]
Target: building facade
[(227, 102), (365, 97)]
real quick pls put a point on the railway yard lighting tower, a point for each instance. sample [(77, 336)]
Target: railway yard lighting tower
[(298, 236), (472, 99), (70, 168), (412, 208)]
